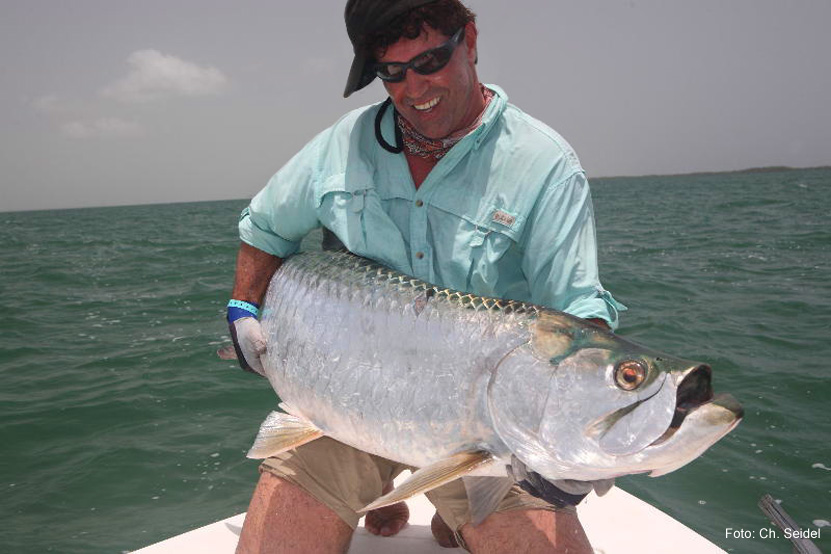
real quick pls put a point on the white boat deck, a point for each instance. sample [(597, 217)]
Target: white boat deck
[(617, 523)]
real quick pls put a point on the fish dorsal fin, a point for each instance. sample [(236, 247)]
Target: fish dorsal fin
[(280, 432), (432, 476), (484, 494)]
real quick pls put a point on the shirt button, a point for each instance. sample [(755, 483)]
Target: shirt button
[(419, 203), (419, 255)]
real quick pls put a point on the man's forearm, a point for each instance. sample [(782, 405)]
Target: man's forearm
[(254, 271)]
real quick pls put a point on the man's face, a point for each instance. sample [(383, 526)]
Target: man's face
[(442, 102)]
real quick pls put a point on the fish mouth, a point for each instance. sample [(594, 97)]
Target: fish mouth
[(695, 391)]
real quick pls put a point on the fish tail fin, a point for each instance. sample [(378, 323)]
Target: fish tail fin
[(280, 432)]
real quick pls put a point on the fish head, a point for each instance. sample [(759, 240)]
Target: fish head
[(578, 402)]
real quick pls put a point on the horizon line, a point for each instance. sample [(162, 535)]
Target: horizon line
[(760, 169)]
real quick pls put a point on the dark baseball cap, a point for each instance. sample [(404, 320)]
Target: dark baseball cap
[(362, 18)]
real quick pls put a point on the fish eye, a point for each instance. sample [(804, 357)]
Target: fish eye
[(630, 374)]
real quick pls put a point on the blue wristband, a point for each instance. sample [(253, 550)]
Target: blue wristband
[(238, 309)]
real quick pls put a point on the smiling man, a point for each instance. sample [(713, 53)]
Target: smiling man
[(447, 181)]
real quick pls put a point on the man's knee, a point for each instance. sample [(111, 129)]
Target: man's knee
[(529, 531), (282, 517)]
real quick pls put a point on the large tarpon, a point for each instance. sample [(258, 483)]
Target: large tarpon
[(458, 385)]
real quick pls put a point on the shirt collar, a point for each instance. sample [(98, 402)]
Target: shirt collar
[(492, 114)]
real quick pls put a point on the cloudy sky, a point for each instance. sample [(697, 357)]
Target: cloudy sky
[(106, 102)]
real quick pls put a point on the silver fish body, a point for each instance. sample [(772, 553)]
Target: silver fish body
[(412, 372)]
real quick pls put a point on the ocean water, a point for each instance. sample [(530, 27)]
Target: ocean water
[(120, 427)]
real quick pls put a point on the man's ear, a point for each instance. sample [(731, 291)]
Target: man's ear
[(471, 36)]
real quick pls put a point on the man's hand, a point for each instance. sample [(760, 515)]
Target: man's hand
[(560, 493), (389, 520), (249, 343), (254, 271)]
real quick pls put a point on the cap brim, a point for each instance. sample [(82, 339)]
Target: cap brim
[(358, 77)]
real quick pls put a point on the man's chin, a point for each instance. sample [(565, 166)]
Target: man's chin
[(433, 133), (429, 124)]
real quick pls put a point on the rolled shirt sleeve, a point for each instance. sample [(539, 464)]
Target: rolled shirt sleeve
[(283, 212), (560, 260)]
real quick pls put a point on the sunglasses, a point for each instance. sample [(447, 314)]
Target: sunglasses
[(425, 63)]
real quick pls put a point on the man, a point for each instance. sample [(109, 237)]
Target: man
[(445, 181)]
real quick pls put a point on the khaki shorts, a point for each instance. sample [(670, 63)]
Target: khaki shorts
[(346, 479)]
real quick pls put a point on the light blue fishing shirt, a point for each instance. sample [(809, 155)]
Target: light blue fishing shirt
[(505, 213)]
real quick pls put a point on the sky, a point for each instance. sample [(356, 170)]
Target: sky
[(115, 102)]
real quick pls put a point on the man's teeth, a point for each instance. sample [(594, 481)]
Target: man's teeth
[(427, 105)]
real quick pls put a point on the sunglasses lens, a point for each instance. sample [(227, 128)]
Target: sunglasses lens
[(389, 72), (432, 61)]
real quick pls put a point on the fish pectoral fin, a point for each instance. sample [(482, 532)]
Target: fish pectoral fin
[(280, 432), (484, 495), (432, 476), (603, 486)]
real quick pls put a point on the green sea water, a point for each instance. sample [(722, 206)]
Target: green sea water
[(120, 427)]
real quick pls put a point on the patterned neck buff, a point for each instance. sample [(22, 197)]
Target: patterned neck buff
[(423, 147)]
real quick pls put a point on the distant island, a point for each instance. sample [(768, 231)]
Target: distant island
[(767, 169)]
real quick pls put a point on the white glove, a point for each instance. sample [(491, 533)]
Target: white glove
[(249, 343)]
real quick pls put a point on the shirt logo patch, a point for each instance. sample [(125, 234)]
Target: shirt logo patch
[(504, 218)]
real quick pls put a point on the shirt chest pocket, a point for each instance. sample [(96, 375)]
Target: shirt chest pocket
[(495, 259), (477, 242), (352, 210), (341, 208)]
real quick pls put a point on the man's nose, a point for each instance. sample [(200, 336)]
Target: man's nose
[(415, 85)]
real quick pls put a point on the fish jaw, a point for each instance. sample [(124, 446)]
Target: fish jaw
[(700, 419), (702, 427), (658, 409)]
